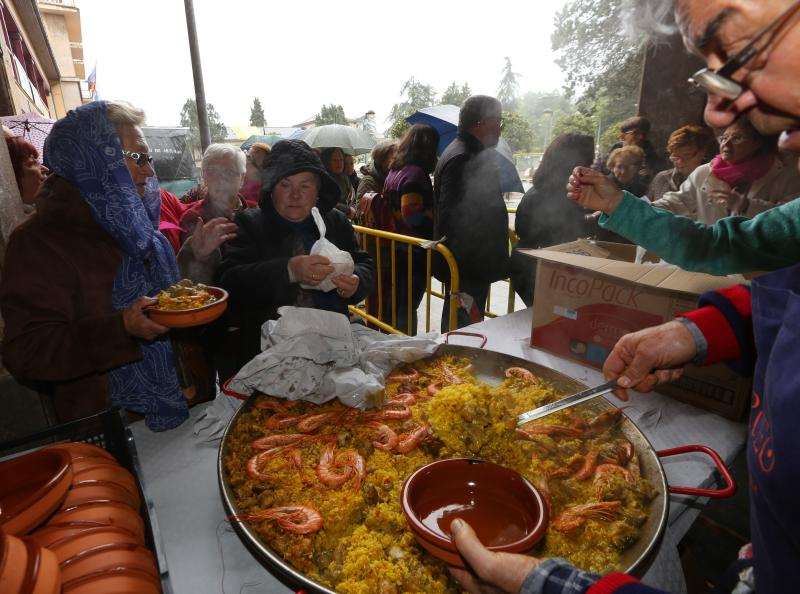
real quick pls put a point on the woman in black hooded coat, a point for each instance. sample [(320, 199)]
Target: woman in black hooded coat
[(265, 264), (545, 217)]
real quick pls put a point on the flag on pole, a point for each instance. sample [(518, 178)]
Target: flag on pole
[(92, 84)]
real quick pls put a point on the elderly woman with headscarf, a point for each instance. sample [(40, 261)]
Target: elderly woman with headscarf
[(747, 177), (264, 266), (77, 274), (208, 223)]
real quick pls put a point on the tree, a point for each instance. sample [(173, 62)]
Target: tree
[(609, 138), (507, 91), (415, 95), (189, 119), (541, 110), (257, 114), (399, 128), (517, 132), (602, 65), (330, 114), (453, 95), (577, 123)]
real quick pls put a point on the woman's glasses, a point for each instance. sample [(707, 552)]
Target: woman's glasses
[(141, 159)]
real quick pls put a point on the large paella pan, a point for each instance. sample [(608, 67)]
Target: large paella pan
[(247, 484)]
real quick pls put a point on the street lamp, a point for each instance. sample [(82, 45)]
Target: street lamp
[(548, 130)]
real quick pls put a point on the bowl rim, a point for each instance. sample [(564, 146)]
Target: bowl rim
[(421, 530), (222, 298), (62, 467)]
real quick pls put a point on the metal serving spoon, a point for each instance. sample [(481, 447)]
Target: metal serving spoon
[(588, 394)]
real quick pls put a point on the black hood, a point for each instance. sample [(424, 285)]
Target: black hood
[(289, 157)]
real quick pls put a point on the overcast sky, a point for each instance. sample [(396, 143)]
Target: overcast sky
[(295, 55)]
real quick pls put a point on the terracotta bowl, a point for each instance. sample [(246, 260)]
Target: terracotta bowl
[(88, 539), (78, 450), (116, 581), (186, 318), (109, 513), (89, 491), (506, 511), (27, 567), (90, 470), (32, 487), (108, 557), (51, 533)]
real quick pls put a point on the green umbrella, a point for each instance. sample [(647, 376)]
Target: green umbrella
[(269, 139)]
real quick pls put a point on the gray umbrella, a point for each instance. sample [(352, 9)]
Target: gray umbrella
[(31, 126), (351, 140)]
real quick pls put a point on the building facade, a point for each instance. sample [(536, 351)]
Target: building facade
[(42, 57)]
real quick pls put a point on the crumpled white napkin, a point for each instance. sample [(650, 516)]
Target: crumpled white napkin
[(316, 355)]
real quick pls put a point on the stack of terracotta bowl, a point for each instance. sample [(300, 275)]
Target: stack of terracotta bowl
[(79, 508)]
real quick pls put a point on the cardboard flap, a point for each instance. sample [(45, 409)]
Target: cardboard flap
[(666, 277)]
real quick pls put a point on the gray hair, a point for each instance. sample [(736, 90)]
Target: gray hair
[(476, 108), (122, 113), (219, 152), (649, 20)]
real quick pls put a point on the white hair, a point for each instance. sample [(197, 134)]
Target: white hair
[(220, 152), (649, 20), (122, 113)]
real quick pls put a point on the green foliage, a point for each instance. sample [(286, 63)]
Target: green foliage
[(455, 95), (330, 114), (415, 95), (398, 129), (189, 119), (610, 137), (602, 65), (577, 123), (517, 132), (257, 114), (507, 91)]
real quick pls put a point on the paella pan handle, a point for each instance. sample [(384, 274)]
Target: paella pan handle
[(226, 390), (460, 333), (730, 485)]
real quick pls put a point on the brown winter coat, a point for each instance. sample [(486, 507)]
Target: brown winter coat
[(55, 298)]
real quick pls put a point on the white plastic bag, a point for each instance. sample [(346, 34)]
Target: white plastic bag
[(341, 261)]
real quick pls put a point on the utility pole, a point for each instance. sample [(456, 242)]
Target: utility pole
[(197, 71)]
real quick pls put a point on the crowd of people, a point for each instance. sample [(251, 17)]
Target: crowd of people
[(102, 239)]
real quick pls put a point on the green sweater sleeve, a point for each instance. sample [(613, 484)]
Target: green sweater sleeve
[(768, 241)]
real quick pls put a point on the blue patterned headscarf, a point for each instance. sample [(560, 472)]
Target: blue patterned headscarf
[(84, 149)]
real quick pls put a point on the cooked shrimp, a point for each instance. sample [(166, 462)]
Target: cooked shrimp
[(411, 439), (522, 373), (351, 459), (281, 421), (393, 411), (281, 439), (294, 518), (406, 373), (328, 472), (310, 423), (574, 517), (529, 430), (387, 438)]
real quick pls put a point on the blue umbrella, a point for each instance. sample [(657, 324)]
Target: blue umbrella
[(444, 118)]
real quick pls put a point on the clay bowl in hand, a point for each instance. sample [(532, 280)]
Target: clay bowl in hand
[(32, 487), (506, 511), (186, 318)]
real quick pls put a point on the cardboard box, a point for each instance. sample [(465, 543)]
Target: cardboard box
[(589, 294)]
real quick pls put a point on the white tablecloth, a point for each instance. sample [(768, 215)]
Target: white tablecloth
[(205, 555)]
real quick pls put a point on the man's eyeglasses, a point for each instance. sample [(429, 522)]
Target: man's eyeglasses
[(141, 159), (719, 81)]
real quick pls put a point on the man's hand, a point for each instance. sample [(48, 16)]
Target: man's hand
[(496, 572), (346, 285), (138, 324), (207, 237), (310, 270), (652, 356), (593, 190)]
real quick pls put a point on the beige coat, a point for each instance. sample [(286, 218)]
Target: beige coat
[(779, 185)]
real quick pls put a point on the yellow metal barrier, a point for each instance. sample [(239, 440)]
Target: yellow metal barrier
[(379, 238)]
